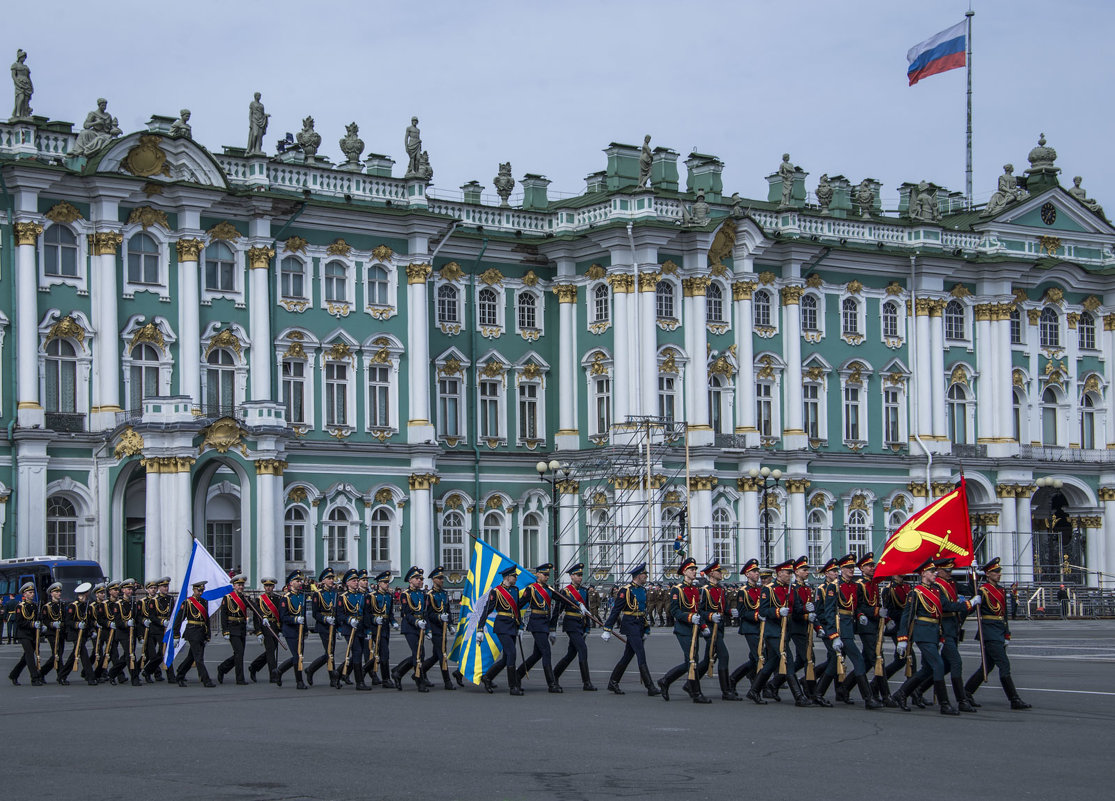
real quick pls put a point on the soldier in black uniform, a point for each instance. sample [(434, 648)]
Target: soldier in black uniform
[(234, 627), (267, 616), (78, 627), (159, 609), (99, 629), (538, 599), (122, 623), (323, 601), (439, 616), (379, 617), (51, 615), (105, 620), (293, 619), (996, 635), (26, 625), (576, 623), (194, 611)]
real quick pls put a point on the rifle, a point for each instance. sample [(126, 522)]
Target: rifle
[(132, 648), (58, 649), (418, 652), (444, 635), (332, 626), (879, 668), (979, 624), (108, 645), (762, 645), (375, 648), (77, 645), (259, 613), (301, 629), (782, 667), (38, 661), (348, 652), (692, 652), (910, 633), (810, 674)]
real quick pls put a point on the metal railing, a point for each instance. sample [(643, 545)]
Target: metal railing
[(65, 421), (1046, 453)]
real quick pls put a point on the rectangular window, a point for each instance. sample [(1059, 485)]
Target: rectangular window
[(489, 409), (143, 268), (218, 540), (764, 409), (294, 534), (293, 279), (379, 389), (811, 398), (336, 394), (294, 391), (891, 400), (379, 532), (1016, 327), (144, 384), (851, 414), (336, 542), (666, 397), (528, 411), (602, 389), (449, 407), (220, 394), (527, 312)]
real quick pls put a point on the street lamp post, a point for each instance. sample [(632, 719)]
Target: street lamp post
[(1051, 520), (553, 472), (770, 479)]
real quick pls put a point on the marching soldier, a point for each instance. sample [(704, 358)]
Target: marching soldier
[(503, 599), (714, 608), (122, 623), (381, 610), (921, 623), (823, 595), (538, 598), (195, 612), (267, 617), (51, 616), (292, 617), (797, 629), (159, 610), (871, 617), (746, 612), (323, 601), (575, 624), (439, 616), (777, 605), (894, 599), (840, 618), (630, 610), (79, 626), (143, 627), (26, 627), (952, 623), (105, 619), (234, 626), (99, 621), (996, 635), (412, 607), (350, 620)]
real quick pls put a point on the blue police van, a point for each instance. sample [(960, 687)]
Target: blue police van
[(42, 571)]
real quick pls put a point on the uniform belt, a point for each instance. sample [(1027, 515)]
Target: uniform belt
[(921, 619), (635, 614), (846, 614), (233, 619), (949, 614), (504, 614), (994, 617), (194, 623)]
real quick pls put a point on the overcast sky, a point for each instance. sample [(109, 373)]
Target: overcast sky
[(549, 85)]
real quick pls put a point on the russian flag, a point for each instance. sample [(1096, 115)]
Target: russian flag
[(940, 53)]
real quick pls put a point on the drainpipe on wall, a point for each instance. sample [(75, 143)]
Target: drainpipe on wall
[(9, 258)]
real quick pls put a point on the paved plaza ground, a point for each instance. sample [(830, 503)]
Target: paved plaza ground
[(262, 742)]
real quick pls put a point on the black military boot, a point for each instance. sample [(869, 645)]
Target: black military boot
[(516, 687), (727, 692), (359, 669), (844, 689), (755, 693), (551, 680), (671, 675), (771, 690), (942, 694), (421, 684), (1008, 687), (800, 698), (458, 677), (819, 690), (903, 693), (648, 682), (962, 702), (613, 681), (971, 685), (446, 680), (586, 682), (301, 685), (883, 687), (694, 690), (282, 668), (314, 667), (397, 675), (562, 664), (869, 701), (744, 671)]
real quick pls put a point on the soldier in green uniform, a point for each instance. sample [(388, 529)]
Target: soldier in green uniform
[(714, 611), (746, 611), (778, 605), (823, 595), (996, 635), (870, 624), (797, 629)]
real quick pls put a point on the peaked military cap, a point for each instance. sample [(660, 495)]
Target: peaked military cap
[(928, 564), (547, 567), (437, 572), (787, 565), (112, 585), (99, 587), (867, 560), (994, 564), (577, 569), (800, 562), (945, 561), (510, 570), (152, 583), (415, 571), (749, 565), (711, 566), (766, 572), (831, 564), (239, 578), (269, 582), (295, 575), (83, 588), (199, 585), (384, 576), (164, 581), (55, 586), (326, 573), (686, 563), (639, 569), (128, 582), (350, 575), (28, 587), (847, 560)]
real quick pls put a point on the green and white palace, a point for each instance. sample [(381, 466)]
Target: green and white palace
[(304, 363)]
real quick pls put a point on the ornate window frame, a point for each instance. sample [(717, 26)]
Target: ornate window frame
[(855, 376), (299, 345), (211, 340), (163, 243), (452, 364), (530, 333), (295, 305), (81, 230), (382, 351), (339, 308), (158, 334), (236, 294), (81, 342), (336, 349), (381, 311), (531, 370), (598, 364)]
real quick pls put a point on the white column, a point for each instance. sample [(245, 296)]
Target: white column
[(269, 523), (30, 411), (259, 305), (622, 374), (648, 342), (420, 428), (189, 327), (567, 437), (700, 511), (793, 434), (923, 383), (798, 540), (568, 541), (745, 352), (696, 343), (106, 344), (987, 405), (1025, 535), (422, 520), (750, 540), (1095, 554), (153, 505), (30, 494), (1004, 373), (1109, 369), (937, 370), (1107, 495), (1008, 546), (176, 516)]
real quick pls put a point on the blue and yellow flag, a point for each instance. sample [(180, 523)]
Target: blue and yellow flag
[(483, 574)]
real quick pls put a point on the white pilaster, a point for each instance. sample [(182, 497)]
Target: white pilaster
[(798, 540), (1108, 533), (420, 429), (1025, 536), (1006, 543), (937, 373), (30, 494), (259, 305), (422, 550), (696, 343), (745, 350), (987, 407), (30, 411), (269, 523), (793, 433), (750, 543), (189, 351), (922, 381), (623, 390), (1109, 369), (567, 437), (103, 301), (648, 342)]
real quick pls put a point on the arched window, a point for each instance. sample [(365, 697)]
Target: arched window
[(220, 383), (294, 534), (815, 537), (958, 414), (492, 531), (1015, 326), (600, 533), (1087, 421), (61, 527), (895, 521), (1086, 331), (809, 319), (488, 307), (717, 387), (528, 311), (1049, 328), (61, 376), (292, 278), (764, 408), (452, 541), (954, 320), (60, 251), (378, 286), (533, 550), (1050, 411), (336, 536), (722, 539), (447, 304), (890, 319), (143, 260), (144, 378), (379, 535), (336, 282), (857, 532), (664, 300), (220, 268), (672, 526), (667, 396), (601, 311), (761, 309), (714, 303), (849, 317)]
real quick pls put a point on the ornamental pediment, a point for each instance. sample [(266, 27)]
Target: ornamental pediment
[(1054, 212), (161, 159)]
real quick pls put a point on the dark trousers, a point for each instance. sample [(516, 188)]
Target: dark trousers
[(414, 639), (995, 656), (28, 660), (577, 649), (122, 658), (357, 654), (153, 651), (436, 651), (720, 648), (829, 666), (328, 647), (686, 642), (195, 658), (950, 653), (632, 650), (380, 652), (236, 661), (107, 655), (508, 659), (932, 666), (748, 667), (870, 645), (79, 652), (269, 657), (541, 652), (853, 654), (57, 644)]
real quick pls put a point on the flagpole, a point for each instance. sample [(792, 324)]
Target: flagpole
[(968, 61)]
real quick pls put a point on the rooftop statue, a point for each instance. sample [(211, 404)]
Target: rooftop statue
[(697, 214), (923, 203), (1007, 193), (425, 171), (865, 197), (352, 145), (504, 183), (309, 140), (99, 129), (413, 144), (824, 194), (646, 158), (1078, 192), (21, 77), (257, 127), (737, 205), (786, 172), (181, 126)]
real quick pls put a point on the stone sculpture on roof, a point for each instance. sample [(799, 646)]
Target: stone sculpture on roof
[(181, 126), (413, 144), (1078, 192), (923, 203), (257, 127), (504, 183), (309, 140), (824, 194), (1007, 193), (99, 129), (352, 146), (646, 159), (786, 172), (865, 197), (21, 77)]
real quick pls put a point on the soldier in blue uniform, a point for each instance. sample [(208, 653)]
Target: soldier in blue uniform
[(194, 611), (292, 616), (379, 619), (349, 610), (746, 612), (630, 610), (840, 617), (323, 603), (503, 599), (996, 635), (412, 608), (234, 626), (439, 616), (871, 617), (573, 603), (538, 599), (823, 595), (797, 630), (26, 619), (778, 604), (268, 617), (685, 610)]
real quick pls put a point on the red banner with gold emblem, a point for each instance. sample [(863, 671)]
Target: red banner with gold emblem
[(940, 530)]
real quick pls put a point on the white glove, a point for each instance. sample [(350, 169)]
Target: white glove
[(884, 612), (380, 619), (977, 600), (421, 624), (146, 623), (715, 617), (696, 621), (863, 620), (838, 645), (300, 619), (809, 607), (784, 611), (583, 609), (331, 620), (224, 636), (890, 627), (735, 612), (395, 626), (646, 633), (267, 622), (353, 622), (56, 625), (429, 635), (81, 625), (706, 633), (553, 639), (605, 636), (902, 648), (443, 617), (812, 616), (259, 639), (111, 625), (480, 638), (131, 624)]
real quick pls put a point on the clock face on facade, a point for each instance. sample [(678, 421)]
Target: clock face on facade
[(1049, 214)]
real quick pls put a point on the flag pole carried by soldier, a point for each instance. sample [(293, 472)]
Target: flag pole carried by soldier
[(996, 637), (576, 622), (630, 611), (685, 608), (503, 599)]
